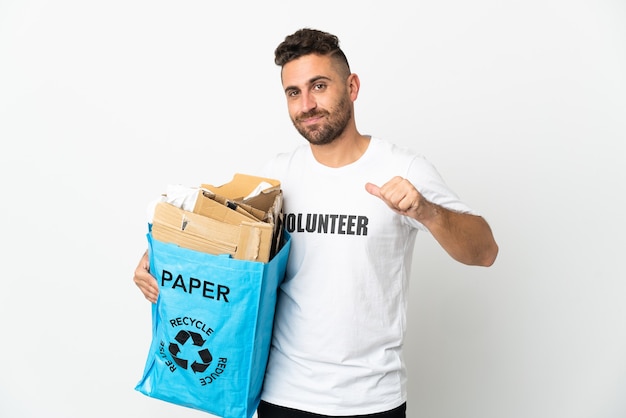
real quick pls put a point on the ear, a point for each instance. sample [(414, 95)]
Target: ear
[(354, 84)]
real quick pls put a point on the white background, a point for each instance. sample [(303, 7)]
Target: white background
[(520, 104)]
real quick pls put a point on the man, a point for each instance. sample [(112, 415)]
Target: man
[(353, 205)]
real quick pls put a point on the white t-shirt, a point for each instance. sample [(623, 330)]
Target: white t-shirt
[(341, 313)]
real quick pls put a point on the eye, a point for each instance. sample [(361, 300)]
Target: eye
[(292, 93), (319, 86)]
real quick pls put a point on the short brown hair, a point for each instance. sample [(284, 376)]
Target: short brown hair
[(309, 41)]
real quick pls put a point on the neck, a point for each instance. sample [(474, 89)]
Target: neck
[(342, 151)]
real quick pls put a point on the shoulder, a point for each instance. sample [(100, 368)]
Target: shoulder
[(278, 165), (385, 146), (402, 157)]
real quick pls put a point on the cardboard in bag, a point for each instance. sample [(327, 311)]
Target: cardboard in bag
[(222, 209), (243, 185), (226, 221)]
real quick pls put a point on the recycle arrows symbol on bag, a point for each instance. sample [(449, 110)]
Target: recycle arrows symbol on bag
[(205, 355)]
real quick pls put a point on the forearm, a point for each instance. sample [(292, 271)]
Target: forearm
[(467, 238)]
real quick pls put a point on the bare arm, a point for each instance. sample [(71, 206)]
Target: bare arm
[(467, 238), (145, 281)]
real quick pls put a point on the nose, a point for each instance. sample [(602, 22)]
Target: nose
[(307, 102)]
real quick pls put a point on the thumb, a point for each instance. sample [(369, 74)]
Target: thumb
[(372, 189), (146, 261)]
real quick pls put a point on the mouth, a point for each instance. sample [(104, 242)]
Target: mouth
[(310, 119)]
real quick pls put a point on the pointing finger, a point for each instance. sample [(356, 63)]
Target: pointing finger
[(373, 189)]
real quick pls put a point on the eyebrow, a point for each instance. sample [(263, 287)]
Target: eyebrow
[(311, 81)]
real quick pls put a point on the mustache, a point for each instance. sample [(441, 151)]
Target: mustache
[(311, 114)]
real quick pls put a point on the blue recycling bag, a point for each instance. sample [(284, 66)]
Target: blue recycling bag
[(211, 328)]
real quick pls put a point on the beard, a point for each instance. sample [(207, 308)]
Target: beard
[(335, 123)]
